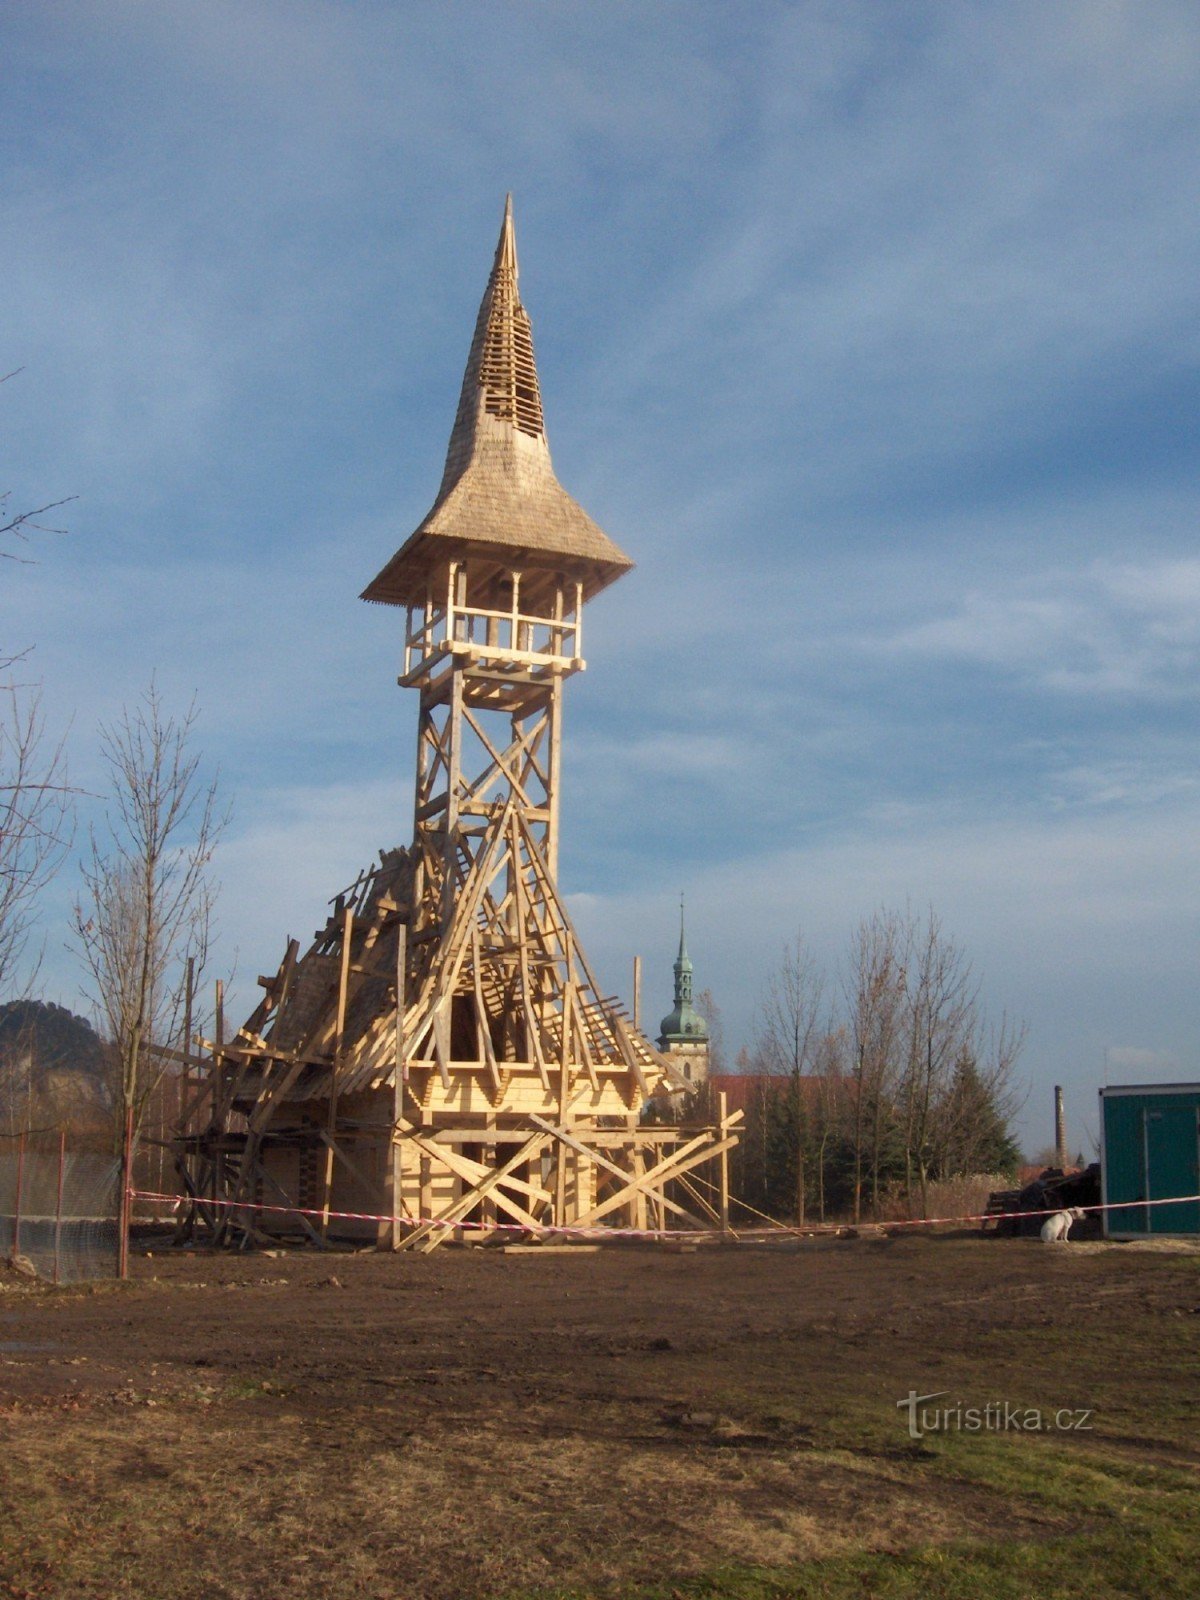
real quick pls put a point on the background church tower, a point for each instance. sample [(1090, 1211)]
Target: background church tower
[(683, 1032)]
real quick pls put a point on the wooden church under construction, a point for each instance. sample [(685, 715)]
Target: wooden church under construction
[(441, 1061)]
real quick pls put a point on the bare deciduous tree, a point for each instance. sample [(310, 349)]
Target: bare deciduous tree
[(906, 1086), (790, 1033), (940, 1023), (35, 800), (35, 822), (875, 998), (148, 899), (829, 1110)]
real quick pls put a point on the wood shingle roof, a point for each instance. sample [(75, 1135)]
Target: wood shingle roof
[(499, 497)]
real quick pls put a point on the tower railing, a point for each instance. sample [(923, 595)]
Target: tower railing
[(456, 624)]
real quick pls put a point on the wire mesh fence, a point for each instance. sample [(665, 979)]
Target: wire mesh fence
[(59, 1206)]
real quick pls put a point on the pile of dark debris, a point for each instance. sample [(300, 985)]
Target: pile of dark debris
[(1052, 1190)]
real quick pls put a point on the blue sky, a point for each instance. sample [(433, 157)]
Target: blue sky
[(870, 332)]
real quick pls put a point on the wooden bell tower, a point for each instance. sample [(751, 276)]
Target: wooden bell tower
[(493, 584), (443, 1057)]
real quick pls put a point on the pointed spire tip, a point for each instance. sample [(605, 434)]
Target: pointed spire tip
[(506, 248)]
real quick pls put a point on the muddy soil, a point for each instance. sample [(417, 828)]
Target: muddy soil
[(482, 1423)]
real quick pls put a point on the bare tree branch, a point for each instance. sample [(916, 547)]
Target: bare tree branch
[(36, 821), (18, 524), (149, 895), (36, 813)]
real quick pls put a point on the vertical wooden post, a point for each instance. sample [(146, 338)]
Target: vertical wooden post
[(723, 1114), (125, 1216), (554, 773), (389, 1233), (658, 1210), (564, 1089), (636, 1210), (339, 1032), (62, 1165), (217, 1095), (453, 764), (637, 991), (638, 1170), (189, 993), (488, 1215), (20, 1185), (397, 1167), (451, 586)]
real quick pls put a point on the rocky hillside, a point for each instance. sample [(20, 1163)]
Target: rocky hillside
[(55, 1070)]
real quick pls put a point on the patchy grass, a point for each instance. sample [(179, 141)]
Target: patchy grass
[(1127, 1534)]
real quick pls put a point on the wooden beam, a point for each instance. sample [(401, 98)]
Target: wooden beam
[(723, 1114), (471, 1171), (335, 1148), (389, 1232), (483, 1031), (431, 1234), (338, 1045), (674, 1165)]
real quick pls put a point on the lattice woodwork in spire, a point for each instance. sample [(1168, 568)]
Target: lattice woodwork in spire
[(507, 370)]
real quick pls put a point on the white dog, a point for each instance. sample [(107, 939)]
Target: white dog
[(1057, 1227)]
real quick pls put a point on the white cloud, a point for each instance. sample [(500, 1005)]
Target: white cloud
[(1131, 783), (1109, 629), (1136, 1064)]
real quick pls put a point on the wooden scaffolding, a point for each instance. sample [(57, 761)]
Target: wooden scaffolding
[(442, 1059)]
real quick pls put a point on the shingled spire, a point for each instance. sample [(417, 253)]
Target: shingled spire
[(498, 487)]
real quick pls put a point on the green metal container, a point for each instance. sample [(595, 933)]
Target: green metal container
[(1150, 1150)]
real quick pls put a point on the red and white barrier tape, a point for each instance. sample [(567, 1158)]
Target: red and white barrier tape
[(408, 1221), (547, 1230), (1049, 1211)]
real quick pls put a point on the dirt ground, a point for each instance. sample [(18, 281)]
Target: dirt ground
[(478, 1423)]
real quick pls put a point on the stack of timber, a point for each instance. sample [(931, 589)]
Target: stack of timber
[(441, 1061)]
